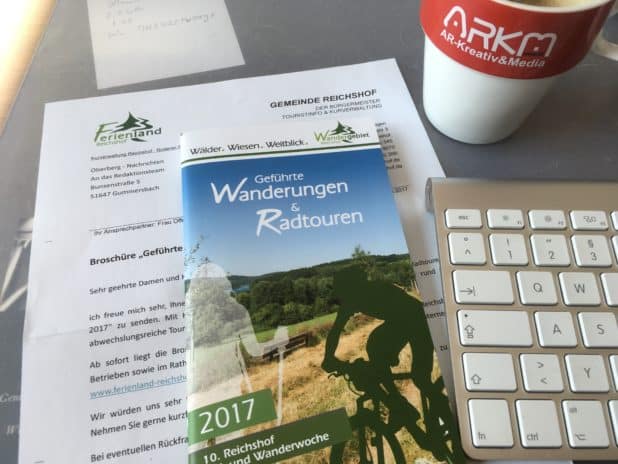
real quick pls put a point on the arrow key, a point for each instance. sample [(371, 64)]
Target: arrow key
[(483, 287), (541, 372), (494, 328), (489, 372)]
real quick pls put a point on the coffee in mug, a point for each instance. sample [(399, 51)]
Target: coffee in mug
[(554, 3)]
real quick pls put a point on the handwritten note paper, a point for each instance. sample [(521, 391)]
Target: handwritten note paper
[(142, 40)]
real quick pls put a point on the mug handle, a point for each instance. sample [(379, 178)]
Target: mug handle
[(604, 47)]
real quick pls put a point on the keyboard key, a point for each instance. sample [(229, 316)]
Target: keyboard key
[(494, 328), (589, 220), (615, 219), (591, 250), (541, 372), (490, 423), (483, 287), (579, 289), (463, 219), (538, 424), (466, 248), (599, 330), (536, 288), (615, 243), (547, 219), (585, 424), (555, 329), (613, 412), (610, 288), (550, 250), (489, 372), (505, 219), (508, 249), (613, 362), (586, 373)]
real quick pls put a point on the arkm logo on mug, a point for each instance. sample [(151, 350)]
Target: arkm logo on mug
[(479, 33), (488, 37)]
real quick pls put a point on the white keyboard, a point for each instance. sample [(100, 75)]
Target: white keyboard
[(530, 281)]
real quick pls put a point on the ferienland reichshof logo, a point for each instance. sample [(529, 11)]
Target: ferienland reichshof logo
[(135, 129), (341, 133)]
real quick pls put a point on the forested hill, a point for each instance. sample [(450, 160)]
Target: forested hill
[(329, 269), (289, 297)]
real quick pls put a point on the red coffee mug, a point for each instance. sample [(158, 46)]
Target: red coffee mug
[(489, 62)]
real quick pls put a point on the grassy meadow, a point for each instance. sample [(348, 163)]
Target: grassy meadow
[(308, 391), (300, 327)]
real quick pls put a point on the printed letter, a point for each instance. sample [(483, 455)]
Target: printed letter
[(461, 22), (491, 31), (265, 220), (231, 197)]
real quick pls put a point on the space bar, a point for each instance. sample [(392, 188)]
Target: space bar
[(483, 287)]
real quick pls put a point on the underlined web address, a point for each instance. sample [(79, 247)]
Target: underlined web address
[(137, 386)]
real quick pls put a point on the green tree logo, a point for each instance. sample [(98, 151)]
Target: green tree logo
[(341, 133), (133, 128), (343, 130), (133, 124)]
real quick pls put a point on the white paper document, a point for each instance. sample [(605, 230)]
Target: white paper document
[(143, 40), (104, 362)]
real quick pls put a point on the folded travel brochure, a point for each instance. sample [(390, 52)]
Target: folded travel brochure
[(308, 339)]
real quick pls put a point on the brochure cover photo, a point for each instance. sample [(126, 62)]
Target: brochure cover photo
[(307, 340)]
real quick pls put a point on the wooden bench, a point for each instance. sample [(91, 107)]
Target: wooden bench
[(297, 341)]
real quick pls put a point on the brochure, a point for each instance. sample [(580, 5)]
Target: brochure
[(307, 338)]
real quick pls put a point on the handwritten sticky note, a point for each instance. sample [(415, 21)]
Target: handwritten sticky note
[(143, 40)]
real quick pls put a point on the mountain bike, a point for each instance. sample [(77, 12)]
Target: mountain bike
[(382, 411)]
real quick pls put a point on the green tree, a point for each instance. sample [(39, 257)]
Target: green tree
[(244, 298), (365, 260), (324, 287), (267, 317), (304, 290), (291, 313), (321, 306), (261, 293)]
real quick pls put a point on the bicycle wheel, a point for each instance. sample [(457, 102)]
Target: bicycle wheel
[(439, 422), (374, 443)]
